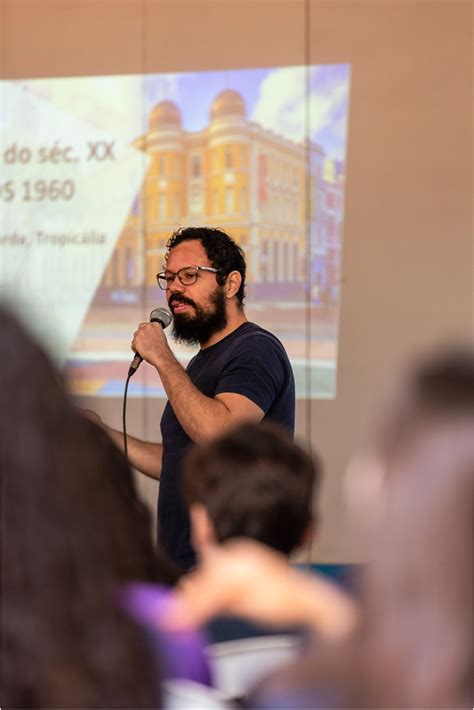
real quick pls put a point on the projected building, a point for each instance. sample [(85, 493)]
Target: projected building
[(236, 175)]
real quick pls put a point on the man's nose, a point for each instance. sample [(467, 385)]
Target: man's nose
[(176, 286)]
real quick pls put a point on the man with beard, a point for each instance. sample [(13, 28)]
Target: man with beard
[(241, 372)]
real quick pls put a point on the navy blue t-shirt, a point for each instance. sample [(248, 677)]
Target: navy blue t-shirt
[(249, 361)]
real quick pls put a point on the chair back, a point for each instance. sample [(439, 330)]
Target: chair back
[(236, 666), (188, 695)]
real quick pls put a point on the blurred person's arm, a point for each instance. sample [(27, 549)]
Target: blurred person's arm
[(145, 456), (247, 579)]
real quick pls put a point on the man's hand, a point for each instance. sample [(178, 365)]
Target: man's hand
[(151, 343)]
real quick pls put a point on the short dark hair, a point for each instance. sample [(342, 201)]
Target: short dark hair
[(254, 482), (221, 250)]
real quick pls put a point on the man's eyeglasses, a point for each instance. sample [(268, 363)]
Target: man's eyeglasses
[(187, 276)]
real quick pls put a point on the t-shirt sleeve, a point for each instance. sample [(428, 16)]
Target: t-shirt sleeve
[(255, 370)]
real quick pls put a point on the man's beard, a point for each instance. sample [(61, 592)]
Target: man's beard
[(203, 324)]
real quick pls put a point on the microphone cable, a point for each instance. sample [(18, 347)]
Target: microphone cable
[(124, 418), (163, 317)]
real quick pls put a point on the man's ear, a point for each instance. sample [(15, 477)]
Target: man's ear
[(232, 283), (202, 530)]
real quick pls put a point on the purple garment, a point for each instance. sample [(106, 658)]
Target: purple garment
[(180, 653)]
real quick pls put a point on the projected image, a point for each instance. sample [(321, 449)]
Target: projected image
[(97, 172)]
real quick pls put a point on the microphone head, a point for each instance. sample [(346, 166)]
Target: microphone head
[(162, 316)]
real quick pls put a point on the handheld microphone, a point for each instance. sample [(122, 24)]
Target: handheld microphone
[(158, 315)]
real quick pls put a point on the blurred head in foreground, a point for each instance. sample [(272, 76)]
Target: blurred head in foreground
[(73, 531), (419, 582), (252, 482), (414, 647)]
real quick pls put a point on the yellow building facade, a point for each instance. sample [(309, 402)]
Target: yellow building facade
[(233, 174)]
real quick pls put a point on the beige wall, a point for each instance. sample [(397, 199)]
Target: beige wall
[(408, 259)]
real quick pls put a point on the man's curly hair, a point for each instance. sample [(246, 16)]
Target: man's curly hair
[(221, 250)]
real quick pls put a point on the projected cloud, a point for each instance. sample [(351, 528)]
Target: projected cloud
[(112, 165)]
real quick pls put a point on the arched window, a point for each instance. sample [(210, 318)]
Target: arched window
[(264, 260), (243, 199), (229, 200), (196, 166), (162, 165), (162, 204), (285, 261), (276, 262)]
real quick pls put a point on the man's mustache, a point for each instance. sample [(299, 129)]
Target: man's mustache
[(181, 299)]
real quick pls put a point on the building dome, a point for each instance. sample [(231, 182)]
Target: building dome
[(228, 103), (165, 115)]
